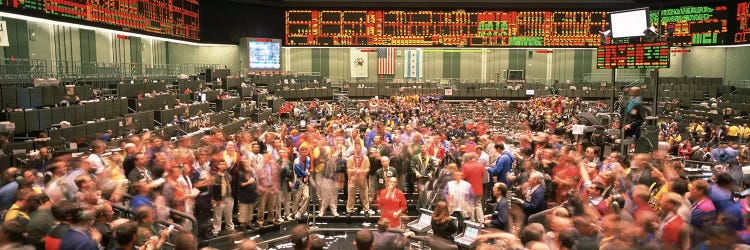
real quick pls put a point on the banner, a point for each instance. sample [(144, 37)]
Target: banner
[(358, 62), (4, 34), (413, 66)]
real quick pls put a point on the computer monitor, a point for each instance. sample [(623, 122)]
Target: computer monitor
[(471, 232), (629, 23), (425, 218)]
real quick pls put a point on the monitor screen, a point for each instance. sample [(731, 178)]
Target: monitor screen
[(629, 23), (265, 54), (425, 218), (471, 232)]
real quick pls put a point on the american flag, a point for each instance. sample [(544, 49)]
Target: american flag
[(386, 61)]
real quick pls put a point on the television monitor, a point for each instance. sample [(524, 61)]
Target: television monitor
[(264, 54), (629, 23), (471, 232), (425, 218)]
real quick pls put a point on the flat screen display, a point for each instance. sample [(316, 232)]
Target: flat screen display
[(264, 54), (425, 218), (471, 232), (629, 23)]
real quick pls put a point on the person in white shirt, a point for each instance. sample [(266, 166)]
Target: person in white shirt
[(95, 158), (254, 158), (459, 196)]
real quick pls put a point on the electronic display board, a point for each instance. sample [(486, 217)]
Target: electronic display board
[(633, 56), (743, 20), (444, 28), (174, 18), (694, 25)]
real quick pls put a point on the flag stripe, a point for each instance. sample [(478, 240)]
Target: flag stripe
[(386, 61)]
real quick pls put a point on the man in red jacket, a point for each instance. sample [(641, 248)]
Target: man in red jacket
[(473, 172)]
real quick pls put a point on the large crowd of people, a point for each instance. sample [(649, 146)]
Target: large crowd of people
[(528, 180)]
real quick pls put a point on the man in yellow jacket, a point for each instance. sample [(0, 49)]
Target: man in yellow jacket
[(744, 133), (733, 133)]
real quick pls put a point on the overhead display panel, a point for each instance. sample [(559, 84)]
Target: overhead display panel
[(743, 21), (173, 18), (443, 28), (633, 56), (694, 25)]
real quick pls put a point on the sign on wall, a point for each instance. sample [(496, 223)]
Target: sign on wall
[(4, 34), (358, 62)]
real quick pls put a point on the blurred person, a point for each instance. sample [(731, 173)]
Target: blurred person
[(299, 237), (640, 198), (222, 201), (383, 174), (141, 172), (103, 214), (142, 196), (284, 209), (443, 225), (41, 221), (81, 235), (533, 201), (173, 191), (357, 167), (42, 160), (702, 212), (499, 217), (386, 240), (327, 186), (473, 173), (87, 191), (12, 236), (460, 198), (375, 164), (26, 202), (9, 188), (392, 203), (423, 167), (721, 194), (399, 161), (675, 232), (146, 219), (364, 239), (248, 244), (95, 158), (501, 167), (302, 179), (187, 241), (267, 180)]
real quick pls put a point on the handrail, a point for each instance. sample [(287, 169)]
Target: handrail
[(174, 212)]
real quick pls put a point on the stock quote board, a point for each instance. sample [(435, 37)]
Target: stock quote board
[(444, 28), (693, 25), (173, 18), (633, 56), (743, 20)]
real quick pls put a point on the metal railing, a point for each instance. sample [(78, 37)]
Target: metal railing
[(12, 69), (22, 68), (607, 77)]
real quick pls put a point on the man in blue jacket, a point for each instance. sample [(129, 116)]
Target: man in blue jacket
[(499, 217), (533, 200), (502, 165)]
